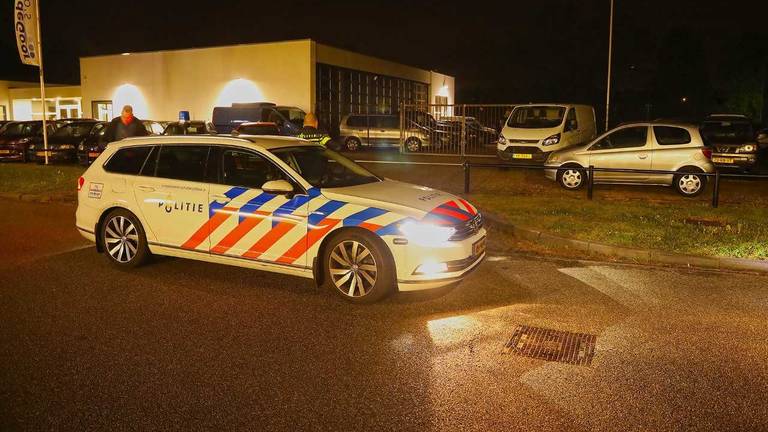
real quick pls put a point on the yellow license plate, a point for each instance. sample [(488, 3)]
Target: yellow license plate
[(478, 247), (522, 156), (722, 160), (42, 154), (5, 152)]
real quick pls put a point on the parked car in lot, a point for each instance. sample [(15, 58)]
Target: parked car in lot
[(16, 139), (194, 127), (63, 142), (92, 145), (733, 141), (383, 130), (289, 119), (276, 204), (534, 131), (638, 146), (256, 128), (476, 133)]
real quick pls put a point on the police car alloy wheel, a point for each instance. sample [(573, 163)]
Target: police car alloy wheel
[(571, 178), (357, 268), (123, 239)]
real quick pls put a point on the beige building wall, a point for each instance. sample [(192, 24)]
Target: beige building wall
[(5, 101), (160, 84), (442, 85)]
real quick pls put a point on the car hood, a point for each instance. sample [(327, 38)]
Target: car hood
[(404, 198)]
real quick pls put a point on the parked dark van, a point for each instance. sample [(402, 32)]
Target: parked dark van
[(288, 119)]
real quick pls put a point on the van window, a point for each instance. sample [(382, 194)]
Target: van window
[(248, 169), (630, 137), (571, 124), (183, 162), (536, 117), (127, 160), (667, 135)]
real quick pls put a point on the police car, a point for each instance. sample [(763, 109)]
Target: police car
[(278, 204)]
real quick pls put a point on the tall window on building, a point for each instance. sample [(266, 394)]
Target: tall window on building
[(341, 91)]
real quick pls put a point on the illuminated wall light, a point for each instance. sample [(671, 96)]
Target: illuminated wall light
[(239, 91), (129, 94)]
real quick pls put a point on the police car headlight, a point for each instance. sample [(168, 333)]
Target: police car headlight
[(426, 234)]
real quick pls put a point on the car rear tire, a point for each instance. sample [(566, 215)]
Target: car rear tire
[(571, 177), (123, 239), (352, 144), (413, 145), (358, 267), (689, 183)]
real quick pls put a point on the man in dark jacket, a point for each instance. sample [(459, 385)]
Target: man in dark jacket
[(310, 131), (125, 126)]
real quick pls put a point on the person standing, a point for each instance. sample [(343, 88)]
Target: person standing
[(125, 126), (310, 132)]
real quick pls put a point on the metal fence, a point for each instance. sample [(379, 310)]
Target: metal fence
[(456, 130)]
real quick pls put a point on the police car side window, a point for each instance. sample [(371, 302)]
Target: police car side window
[(183, 162), (127, 160), (247, 169)]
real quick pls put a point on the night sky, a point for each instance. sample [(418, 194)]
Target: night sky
[(712, 53)]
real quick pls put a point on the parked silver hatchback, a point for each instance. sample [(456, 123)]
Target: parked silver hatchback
[(638, 146)]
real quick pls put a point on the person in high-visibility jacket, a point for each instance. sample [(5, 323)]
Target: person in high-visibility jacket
[(310, 131)]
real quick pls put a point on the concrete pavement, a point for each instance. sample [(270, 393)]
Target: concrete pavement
[(186, 345)]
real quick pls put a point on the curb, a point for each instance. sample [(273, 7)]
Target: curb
[(639, 256), (60, 199)]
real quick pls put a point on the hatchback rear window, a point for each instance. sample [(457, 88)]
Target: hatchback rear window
[(127, 160), (667, 135)]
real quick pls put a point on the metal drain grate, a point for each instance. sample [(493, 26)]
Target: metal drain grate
[(552, 345)]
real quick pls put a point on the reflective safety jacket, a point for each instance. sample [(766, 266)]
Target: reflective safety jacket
[(312, 134)]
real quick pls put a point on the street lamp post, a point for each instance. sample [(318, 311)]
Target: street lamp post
[(610, 55)]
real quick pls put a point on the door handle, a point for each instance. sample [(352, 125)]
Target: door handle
[(643, 156), (145, 188), (221, 199)]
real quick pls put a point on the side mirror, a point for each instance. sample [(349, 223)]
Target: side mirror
[(277, 187)]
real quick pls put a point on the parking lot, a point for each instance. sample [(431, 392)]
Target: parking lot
[(180, 345)]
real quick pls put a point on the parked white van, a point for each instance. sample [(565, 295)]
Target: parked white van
[(534, 131)]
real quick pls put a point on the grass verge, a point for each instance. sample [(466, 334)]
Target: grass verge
[(39, 179)]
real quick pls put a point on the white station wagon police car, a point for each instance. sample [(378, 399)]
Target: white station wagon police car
[(278, 204)]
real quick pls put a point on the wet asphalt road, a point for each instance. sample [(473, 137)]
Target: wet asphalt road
[(188, 346)]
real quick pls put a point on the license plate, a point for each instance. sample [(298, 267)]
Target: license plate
[(42, 154), (93, 155), (478, 247), (522, 156), (722, 160), (5, 152)]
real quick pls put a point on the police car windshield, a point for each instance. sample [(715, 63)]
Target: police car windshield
[(324, 168)]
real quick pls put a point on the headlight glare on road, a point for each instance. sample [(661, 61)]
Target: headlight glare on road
[(426, 234), (551, 140)]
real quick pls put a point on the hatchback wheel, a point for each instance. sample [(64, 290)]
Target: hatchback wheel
[(571, 178), (352, 144), (690, 184), (123, 239), (358, 268)]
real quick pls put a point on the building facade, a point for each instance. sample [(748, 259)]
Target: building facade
[(305, 74)]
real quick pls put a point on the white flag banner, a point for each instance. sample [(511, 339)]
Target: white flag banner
[(25, 24)]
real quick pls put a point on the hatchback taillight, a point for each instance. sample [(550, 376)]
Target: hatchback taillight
[(707, 152), (80, 183)]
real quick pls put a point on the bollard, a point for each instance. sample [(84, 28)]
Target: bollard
[(716, 190), (465, 165), (590, 181)]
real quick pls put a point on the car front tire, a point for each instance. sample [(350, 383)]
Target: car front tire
[(413, 145), (352, 144), (123, 239), (358, 267)]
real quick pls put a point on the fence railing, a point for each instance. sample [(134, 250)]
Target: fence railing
[(589, 171), (455, 130)]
